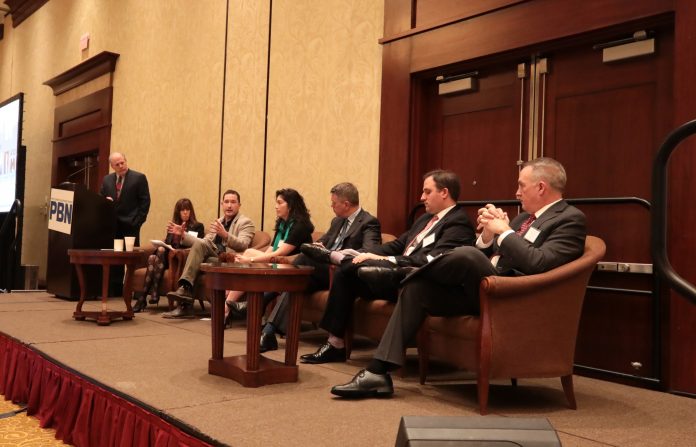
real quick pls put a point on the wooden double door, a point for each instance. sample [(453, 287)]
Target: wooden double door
[(604, 122)]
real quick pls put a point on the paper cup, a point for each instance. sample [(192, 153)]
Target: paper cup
[(118, 244), (130, 242)]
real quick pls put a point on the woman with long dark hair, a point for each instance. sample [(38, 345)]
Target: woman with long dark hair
[(293, 228), (185, 217)]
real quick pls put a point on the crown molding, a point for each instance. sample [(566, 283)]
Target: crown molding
[(102, 63), (20, 10)]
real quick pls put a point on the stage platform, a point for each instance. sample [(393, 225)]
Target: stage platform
[(163, 364)]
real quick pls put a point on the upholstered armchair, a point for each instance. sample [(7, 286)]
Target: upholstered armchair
[(527, 328)]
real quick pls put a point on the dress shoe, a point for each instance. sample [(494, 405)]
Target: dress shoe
[(183, 311), (316, 252), (154, 299), (238, 309), (268, 342), (183, 294), (366, 384), (325, 354), (140, 304)]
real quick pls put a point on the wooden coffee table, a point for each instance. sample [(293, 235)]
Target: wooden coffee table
[(105, 258), (253, 369)]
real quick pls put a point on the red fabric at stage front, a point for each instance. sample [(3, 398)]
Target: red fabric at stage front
[(81, 412)]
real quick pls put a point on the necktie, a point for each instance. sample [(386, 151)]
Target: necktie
[(523, 229), (341, 235), (119, 184), (526, 224), (416, 240)]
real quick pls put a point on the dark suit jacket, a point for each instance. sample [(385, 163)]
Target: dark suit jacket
[(364, 232), (452, 231), (133, 204), (561, 239)]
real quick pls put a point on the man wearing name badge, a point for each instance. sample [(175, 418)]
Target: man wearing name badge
[(376, 274), (129, 191), (549, 233), (232, 233), (352, 228)]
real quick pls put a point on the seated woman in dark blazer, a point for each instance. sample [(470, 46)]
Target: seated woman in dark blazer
[(158, 261), (293, 228)]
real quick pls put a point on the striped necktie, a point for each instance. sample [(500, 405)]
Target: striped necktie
[(526, 224), (119, 185), (341, 235)]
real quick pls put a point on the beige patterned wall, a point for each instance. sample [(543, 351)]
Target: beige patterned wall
[(324, 100), (323, 123), (245, 103)]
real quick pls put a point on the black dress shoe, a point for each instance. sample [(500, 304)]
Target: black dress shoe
[(316, 252), (184, 294), (238, 309), (325, 354), (141, 304), (268, 342), (183, 311), (154, 299), (366, 384)]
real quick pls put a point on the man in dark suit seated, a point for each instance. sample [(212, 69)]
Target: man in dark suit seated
[(549, 233), (352, 228), (376, 274), (129, 191)]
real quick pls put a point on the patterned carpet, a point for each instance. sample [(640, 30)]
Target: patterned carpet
[(22, 430)]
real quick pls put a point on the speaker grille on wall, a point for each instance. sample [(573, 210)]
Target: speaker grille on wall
[(475, 431)]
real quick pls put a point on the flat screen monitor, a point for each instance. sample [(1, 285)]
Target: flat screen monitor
[(10, 141)]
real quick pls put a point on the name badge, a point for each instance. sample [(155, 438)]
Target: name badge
[(531, 234), (193, 233), (428, 240)]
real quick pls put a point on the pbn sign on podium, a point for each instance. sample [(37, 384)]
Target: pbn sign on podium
[(60, 210)]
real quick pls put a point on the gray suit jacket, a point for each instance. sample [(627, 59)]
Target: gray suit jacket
[(561, 239), (240, 235)]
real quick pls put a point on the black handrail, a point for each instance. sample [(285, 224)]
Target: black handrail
[(658, 217), (11, 266)]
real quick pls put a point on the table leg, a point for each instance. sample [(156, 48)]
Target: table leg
[(293, 337), (104, 318), (128, 291), (83, 292), (254, 311), (217, 322)]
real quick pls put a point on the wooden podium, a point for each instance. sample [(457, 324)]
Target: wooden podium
[(93, 226)]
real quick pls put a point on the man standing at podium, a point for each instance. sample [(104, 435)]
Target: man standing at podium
[(129, 191)]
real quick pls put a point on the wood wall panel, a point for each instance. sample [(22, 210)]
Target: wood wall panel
[(682, 213), (397, 16), (392, 206), (430, 12), (524, 25)]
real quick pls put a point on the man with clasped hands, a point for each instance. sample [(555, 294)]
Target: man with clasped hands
[(548, 234)]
